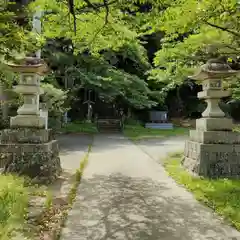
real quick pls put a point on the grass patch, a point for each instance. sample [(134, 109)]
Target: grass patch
[(222, 195), (13, 205), (55, 209), (138, 132), (72, 194), (78, 176), (80, 127)]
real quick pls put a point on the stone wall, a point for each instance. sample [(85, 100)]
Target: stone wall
[(215, 160)]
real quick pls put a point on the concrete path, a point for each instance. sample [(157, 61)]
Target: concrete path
[(158, 149), (73, 148), (126, 195)]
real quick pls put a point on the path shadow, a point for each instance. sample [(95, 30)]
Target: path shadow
[(106, 142), (118, 207), (159, 149), (166, 141), (72, 149), (73, 142)]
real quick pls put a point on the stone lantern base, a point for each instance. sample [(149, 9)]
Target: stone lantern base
[(213, 150), (28, 149), (32, 121), (30, 152)]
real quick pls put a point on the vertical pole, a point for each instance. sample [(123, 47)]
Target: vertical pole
[(66, 113), (37, 28), (46, 120)]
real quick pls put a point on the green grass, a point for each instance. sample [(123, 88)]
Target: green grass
[(222, 195), (80, 127), (138, 132), (13, 205), (236, 128), (73, 192)]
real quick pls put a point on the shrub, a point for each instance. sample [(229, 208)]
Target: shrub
[(132, 121), (13, 205), (80, 127)]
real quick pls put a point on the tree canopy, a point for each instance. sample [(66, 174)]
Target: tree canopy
[(194, 32), (102, 44)]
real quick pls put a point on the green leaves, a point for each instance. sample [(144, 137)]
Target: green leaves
[(95, 30), (107, 41), (16, 37), (195, 31), (54, 97)]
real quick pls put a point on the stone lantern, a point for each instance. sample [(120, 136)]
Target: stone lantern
[(27, 147), (29, 87), (213, 149)]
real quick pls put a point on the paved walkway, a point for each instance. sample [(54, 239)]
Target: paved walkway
[(159, 148), (73, 148), (127, 195)]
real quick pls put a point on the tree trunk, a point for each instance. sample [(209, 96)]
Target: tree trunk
[(129, 113)]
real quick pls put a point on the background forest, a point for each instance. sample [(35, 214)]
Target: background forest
[(132, 54)]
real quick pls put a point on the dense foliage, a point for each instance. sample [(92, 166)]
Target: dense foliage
[(194, 32), (135, 51)]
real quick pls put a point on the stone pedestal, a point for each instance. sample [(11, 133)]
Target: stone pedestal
[(213, 150), (27, 148), (30, 152)]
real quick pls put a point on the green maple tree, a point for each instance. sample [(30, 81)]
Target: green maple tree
[(195, 31)]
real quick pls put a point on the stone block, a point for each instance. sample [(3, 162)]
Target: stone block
[(218, 137), (215, 94), (214, 124), (213, 110), (28, 109), (212, 160), (18, 148), (27, 89), (212, 84), (26, 135), (40, 162), (31, 121)]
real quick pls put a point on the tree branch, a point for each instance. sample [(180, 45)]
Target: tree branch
[(95, 6), (107, 10), (72, 11), (223, 28), (90, 6)]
